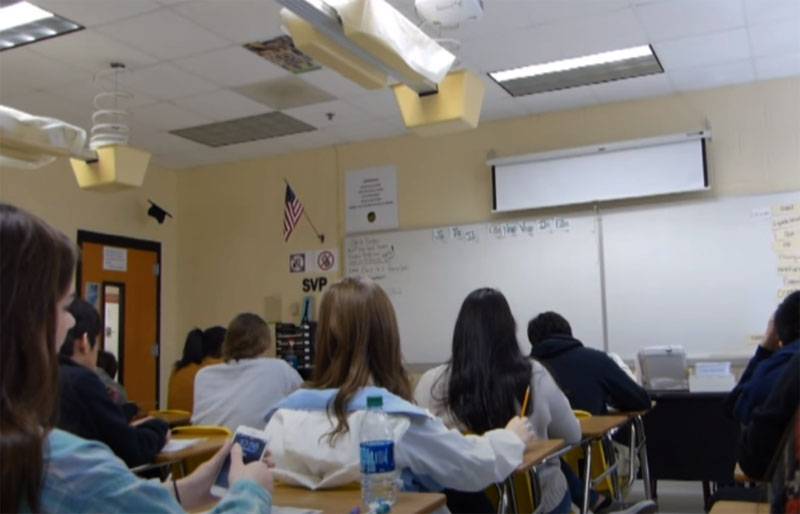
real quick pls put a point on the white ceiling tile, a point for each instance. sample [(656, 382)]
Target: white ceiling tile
[(240, 21), (630, 89), (592, 34), (81, 94), (44, 104), (498, 16), (317, 114), (165, 82), (493, 90), (562, 100), (162, 143), (776, 38), (512, 49), (91, 51), (766, 11), (24, 71), (94, 12), (720, 47), (333, 83), (233, 66), (377, 129), (256, 149), (501, 108), (773, 67), (673, 19), (166, 116), (221, 105), (380, 103), (554, 11), (713, 75), (164, 34), (172, 161)]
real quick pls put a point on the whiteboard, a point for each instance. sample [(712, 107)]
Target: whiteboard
[(701, 274), (539, 264)]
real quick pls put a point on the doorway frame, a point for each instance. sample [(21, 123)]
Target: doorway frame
[(87, 236), (121, 336)]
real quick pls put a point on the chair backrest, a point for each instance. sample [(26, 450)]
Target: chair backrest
[(201, 430)]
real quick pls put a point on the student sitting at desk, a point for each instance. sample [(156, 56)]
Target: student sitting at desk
[(199, 351), (591, 380), (314, 433), (85, 407), (107, 371), (240, 390), (781, 343), (485, 382), (44, 469)]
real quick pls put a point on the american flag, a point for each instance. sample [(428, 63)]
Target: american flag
[(292, 210)]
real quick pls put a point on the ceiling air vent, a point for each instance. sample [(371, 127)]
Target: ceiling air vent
[(242, 130)]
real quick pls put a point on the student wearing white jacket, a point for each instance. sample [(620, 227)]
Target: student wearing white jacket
[(485, 382), (239, 391), (314, 433)]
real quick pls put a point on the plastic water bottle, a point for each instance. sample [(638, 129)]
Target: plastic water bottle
[(378, 475)]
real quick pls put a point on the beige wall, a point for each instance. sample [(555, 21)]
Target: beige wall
[(232, 255), (229, 217), (53, 194)]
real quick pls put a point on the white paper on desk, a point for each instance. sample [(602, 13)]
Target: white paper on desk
[(712, 369), (280, 509), (176, 445)]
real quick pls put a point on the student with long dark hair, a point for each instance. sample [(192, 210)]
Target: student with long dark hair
[(43, 469), (180, 392), (485, 382), (314, 433)]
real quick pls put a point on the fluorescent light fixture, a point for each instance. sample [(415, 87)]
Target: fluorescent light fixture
[(23, 23), (21, 13), (579, 71)]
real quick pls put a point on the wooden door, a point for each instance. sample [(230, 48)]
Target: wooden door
[(121, 277)]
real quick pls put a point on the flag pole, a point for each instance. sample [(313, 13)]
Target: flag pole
[(305, 214)]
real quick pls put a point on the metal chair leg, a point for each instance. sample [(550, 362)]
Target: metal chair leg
[(587, 477)]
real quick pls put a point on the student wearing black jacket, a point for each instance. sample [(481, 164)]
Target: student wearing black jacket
[(589, 378), (86, 409), (760, 439)]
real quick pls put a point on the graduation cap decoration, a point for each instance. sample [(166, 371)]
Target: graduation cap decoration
[(155, 211)]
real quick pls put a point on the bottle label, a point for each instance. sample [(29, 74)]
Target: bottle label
[(377, 457)]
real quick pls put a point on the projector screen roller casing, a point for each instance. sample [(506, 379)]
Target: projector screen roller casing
[(658, 166)]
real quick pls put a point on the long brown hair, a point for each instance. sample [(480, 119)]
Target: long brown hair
[(37, 264), (357, 341)]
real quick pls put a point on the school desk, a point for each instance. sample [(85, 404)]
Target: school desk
[(594, 429), (689, 437), (726, 507), (344, 500)]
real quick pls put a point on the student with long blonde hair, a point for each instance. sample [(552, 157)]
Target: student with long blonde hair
[(43, 469), (314, 433)]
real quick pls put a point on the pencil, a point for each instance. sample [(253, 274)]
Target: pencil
[(524, 412)]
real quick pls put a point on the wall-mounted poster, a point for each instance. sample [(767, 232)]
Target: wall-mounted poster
[(371, 199)]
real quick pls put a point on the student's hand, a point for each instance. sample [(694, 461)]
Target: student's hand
[(771, 341), (258, 471), (522, 428), (195, 489)]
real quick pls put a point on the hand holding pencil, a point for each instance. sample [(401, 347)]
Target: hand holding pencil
[(520, 424)]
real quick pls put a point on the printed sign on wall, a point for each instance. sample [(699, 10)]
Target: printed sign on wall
[(371, 199), (315, 261)]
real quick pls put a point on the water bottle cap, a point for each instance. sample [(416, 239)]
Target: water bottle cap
[(374, 401)]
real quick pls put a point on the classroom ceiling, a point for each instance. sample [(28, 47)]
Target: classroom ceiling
[(187, 67)]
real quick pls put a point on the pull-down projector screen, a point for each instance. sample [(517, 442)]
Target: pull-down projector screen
[(629, 169)]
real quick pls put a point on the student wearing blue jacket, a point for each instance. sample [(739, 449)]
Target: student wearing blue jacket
[(42, 468), (781, 343)]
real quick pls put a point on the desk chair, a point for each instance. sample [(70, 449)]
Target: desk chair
[(183, 468), (605, 476), (174, 417)]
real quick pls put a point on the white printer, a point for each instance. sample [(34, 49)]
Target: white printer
[(664, 368)]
